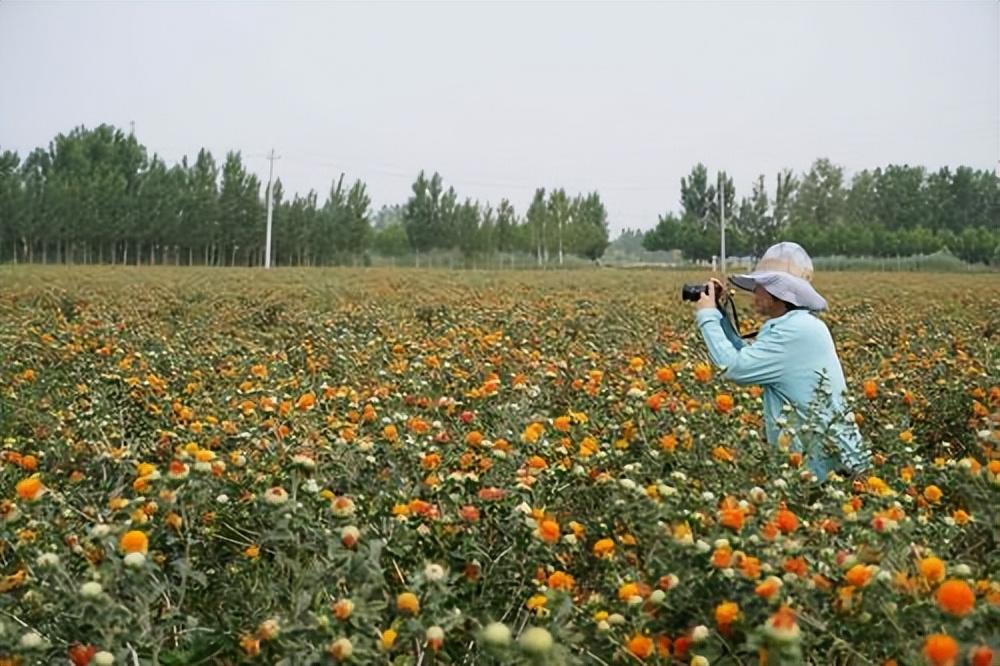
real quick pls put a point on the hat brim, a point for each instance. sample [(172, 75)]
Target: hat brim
[(744, 282), (785, 286)]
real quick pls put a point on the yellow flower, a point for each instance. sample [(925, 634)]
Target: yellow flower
[(932, 568), (408, 603), (703, 372), (388, 639), (536, 602)]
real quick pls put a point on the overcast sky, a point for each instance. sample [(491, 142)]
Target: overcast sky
[(501, 98)]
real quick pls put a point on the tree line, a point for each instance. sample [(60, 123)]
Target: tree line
[(97, 196), (885, 212)]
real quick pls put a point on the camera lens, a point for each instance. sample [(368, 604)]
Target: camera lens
[(692, 292)]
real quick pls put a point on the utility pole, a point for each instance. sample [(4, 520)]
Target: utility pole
[(131, 125), (270, 207), (722, 222)]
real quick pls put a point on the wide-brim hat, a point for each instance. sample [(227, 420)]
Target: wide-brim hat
[(785, 272)]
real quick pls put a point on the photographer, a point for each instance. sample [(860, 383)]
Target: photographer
[(793, 359)]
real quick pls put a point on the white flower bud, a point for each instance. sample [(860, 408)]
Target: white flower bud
[(536, 641), (91, 589), (47, 560), (496, 633), (135, 560)]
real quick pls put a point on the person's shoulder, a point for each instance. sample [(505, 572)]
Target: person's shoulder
[(797, 322)]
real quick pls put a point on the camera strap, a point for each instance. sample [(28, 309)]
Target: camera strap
[(734, 318)]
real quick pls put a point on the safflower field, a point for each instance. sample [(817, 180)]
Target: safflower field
[(416, 467)]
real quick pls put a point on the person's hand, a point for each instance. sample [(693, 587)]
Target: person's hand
[(715, 297), (707, 299)]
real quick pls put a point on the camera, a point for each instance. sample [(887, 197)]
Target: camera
[(692, 292)]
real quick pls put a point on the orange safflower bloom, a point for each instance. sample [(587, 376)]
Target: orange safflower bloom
[(306, 401), (787, 521), (548, 531), (343, 609), (537, 462), (588, 447), (80, 655), (665, 375), (981, 656), (724, 402), (932, 569), (722, 454), (960, 516), (628, 590), (703, 372), (681, 646), (562, 423), (560, 580), (770, 531), (134, 541), (640, 646), (768, 588), (668, 443), (955, 597), (750, 567), (722, 557), (933, 494), (941, 650), (726, 613), (29, 489), (418, 425), (604, 548), (870, 389), (469, 513), (250, 645), (532, 433), (731, 518), (858, 576), (796, 565), (492, 494)]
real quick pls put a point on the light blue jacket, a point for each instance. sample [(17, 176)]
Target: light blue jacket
[(793, 359)]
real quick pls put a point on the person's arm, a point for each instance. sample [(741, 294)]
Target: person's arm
[(763, 362), (732, 334)]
